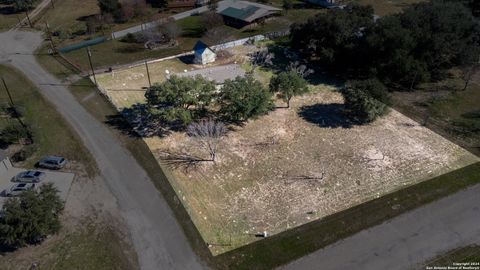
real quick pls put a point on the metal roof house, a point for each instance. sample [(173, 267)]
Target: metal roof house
[(243, 13), (203, 53)]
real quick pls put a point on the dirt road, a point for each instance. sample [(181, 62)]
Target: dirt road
[(157, 237)]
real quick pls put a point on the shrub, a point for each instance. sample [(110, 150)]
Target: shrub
[(24, 153), (29, 218), (13, 133), (244, 98), (365, 100)]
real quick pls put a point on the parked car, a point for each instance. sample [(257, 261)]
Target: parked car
[(29, 177), (17, 189), (52, 162)]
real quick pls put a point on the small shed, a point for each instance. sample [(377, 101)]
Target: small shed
[(203, 53)]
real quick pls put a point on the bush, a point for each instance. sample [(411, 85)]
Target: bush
[(129, 38), (29, 218), (244, 98), (12, 133), (24, 153), (365, 100)]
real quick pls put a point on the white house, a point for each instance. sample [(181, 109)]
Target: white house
[(203, 54)]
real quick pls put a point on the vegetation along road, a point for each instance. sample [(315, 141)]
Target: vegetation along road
[(157, 237)]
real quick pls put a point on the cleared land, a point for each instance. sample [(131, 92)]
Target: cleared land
[(297, 165)]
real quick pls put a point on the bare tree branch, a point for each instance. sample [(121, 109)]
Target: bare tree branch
[(208, 134)]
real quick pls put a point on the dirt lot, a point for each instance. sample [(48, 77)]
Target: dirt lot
[(292, 166), (297, 165)]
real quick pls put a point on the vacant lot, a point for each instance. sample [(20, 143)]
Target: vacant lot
[(294, 165)]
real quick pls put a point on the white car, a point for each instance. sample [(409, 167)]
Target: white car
[(29, 177), (18, 189)]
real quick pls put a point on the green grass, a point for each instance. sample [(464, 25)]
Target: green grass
[(468, 254), (7, 21), (51, 134), (55, 64), (89, 249), (444, 108)]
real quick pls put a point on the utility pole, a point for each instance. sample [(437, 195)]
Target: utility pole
[(50, 37), (8, 93), (148, 74), (28, 18), (53, 5), (89, 53)]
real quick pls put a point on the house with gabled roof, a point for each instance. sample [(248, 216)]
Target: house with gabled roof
[(203, 54)]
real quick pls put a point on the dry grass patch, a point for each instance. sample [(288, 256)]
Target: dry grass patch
[(298, 165), (290, 167)]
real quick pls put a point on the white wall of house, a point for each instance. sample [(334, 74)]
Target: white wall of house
[(208, 56)]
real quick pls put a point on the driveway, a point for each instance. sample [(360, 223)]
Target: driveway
[(157, 237)]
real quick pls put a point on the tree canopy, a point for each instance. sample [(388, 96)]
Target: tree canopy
[(423, 41), (404, 49), (30, 217), (333, 37), (288, 84), (244, 98), (178, 98), (365, 100)]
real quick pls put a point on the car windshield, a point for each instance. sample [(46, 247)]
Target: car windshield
[(21, 185), (37, 173)]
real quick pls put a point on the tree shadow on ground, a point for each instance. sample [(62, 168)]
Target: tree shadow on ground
[(6, 249), (8, 10), (118, 122), (326, 115), (183, 161)]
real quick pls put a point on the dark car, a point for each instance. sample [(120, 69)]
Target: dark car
[(52, 162)]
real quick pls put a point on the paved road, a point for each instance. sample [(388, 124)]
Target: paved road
[(157, 237), (405, 241)]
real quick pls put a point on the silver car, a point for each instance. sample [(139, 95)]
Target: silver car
[(52, 162), (29, 177), (18, 189)]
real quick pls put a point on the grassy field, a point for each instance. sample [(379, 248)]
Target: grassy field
[(447, 110), (91, 247), (8, 19), (51, 133), (468, 254)]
